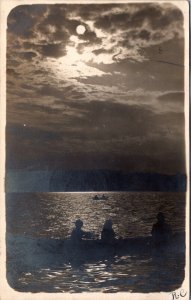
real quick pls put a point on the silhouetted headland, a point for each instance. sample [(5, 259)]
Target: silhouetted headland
[(92, 180), (105, 180)]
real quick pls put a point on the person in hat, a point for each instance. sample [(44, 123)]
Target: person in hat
[(77, 233), (108, 234), (161, 231)]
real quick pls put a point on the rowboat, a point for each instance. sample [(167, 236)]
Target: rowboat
[(94, 250), (103, 197)]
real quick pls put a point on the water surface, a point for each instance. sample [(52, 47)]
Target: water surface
[(33, 217)]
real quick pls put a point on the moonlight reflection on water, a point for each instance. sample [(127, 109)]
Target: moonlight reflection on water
[(52, 215)]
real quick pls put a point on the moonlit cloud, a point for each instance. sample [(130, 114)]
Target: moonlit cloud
[(95, 100)]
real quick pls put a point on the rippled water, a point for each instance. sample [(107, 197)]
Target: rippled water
[(31, 217)]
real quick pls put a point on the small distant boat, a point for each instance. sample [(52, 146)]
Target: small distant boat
[(102, 197)]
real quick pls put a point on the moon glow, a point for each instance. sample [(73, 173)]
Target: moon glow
[(80, 29)]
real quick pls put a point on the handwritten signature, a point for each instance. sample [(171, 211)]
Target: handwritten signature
[(178, 294)]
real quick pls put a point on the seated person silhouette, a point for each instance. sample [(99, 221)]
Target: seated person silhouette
[(108, 234), (78, 234), (161, 231)]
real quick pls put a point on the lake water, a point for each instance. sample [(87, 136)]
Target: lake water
[(42, 216)]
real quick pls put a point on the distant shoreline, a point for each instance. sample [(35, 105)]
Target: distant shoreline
[(92, 181)]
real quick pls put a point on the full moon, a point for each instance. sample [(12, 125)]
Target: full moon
[(80, 29)]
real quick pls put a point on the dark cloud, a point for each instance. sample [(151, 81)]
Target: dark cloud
[(163, 63), (56, 16), (147, 13), (101, 50), (176, 97), (35, 108), (20, 23), (115, 21), (151, 24), (64, 124), (107, 135), (91, 11), (106, 120), (90, 37), (27, 55), (60, 35), (164, 76), (48, 90), (60, 26), (22, 19), (27, 10), (13, 63), (40, 72), (172, 14), (157, 15), (12, 72), (56, 23), (77, 95), (53, 50), (56, 26), (27, 87), (144, 34)]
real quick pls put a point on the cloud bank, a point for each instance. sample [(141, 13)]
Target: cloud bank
[(106, 99)]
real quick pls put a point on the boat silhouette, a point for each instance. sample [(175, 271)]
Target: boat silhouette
[(102, 197), (96, 250)]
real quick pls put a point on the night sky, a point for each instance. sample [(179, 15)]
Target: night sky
[(111, 98)]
